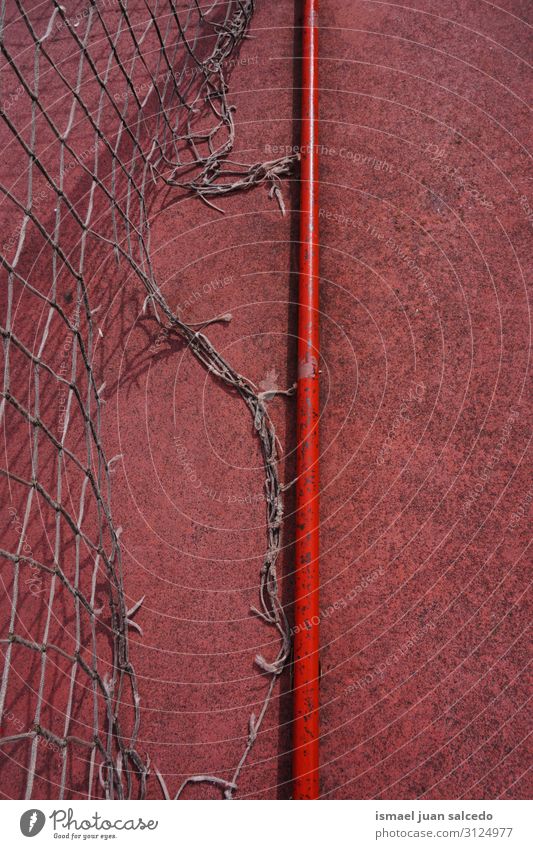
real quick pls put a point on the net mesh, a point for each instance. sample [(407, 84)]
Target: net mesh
[(101, 107)]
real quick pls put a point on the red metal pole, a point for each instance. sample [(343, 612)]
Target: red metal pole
[(306, 642)]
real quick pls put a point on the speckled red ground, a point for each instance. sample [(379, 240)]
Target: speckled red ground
[(426, 210)]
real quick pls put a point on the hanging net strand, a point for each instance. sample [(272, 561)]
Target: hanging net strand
[(271, 610), (101, 108)]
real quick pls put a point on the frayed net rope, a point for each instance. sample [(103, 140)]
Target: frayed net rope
[(102, 106)]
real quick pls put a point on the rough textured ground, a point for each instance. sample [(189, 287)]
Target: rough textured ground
[(426, 215)]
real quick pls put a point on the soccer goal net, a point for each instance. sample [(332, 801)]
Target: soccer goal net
[(102, 105)]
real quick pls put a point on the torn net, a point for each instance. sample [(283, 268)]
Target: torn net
[(101, 107)]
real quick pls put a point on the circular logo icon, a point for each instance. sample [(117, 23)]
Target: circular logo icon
[(32, 822)]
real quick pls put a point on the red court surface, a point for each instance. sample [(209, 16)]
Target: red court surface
[(426, 211)]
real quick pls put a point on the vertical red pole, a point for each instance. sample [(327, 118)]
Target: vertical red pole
[(306, 643)]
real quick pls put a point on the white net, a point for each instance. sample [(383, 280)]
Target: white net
[(101, 107)]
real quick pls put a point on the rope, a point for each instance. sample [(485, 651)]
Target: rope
[(100, 110)]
